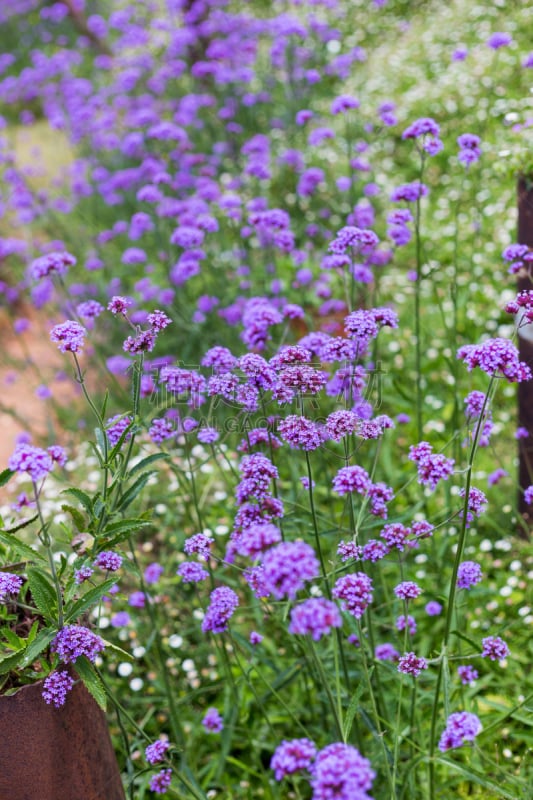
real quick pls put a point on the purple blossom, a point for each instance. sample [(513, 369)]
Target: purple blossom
[(137, 600), (355, 592), (69, 336), (56, 687), (51, 264), (158, 320), (433, 608), (161, 781), (212, 721), (120, 619), (9, 585), (528, 495), (300, 432), (222, 605), (155, 753), (256, 538), (432, 468), (116, 426), (411, 664), (192, 572), (409, 192), (292, 756), (461, 727), (470, 150), (467, 674), (83, 574), (351, 479), (477, 503), (153, 572), (374, 550), (119, 305), (74, 641), (499, 39), (341, 772), (160, 430), (407, 590), (200, 544), (468, 575), (495, 356), (287, 567), (348, 550), (386, 652), (255, 638), (108, 560), (27, 458), (315, 617), (494, 648), (344, 103)]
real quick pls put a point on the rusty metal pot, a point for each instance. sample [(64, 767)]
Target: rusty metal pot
[(49, 753)]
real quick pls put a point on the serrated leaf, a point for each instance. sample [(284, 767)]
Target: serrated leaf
[(12, 661), (352, 710), (40, 643), (130, 495), (82, 497), (477, 777), (43, 593), (21, 549), (5, 476), (145, 462), (90, 598), (77, 517), (86, 671)]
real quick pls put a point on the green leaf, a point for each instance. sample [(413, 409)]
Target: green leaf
[(77, 517), (90, 598), (87, 673), (481, 780), (118, 531), (11, 662), (19, 548), (43, 593), (129, 496), (352, 710), (145, 462), (40, 643), (82, 497), (5, 476)]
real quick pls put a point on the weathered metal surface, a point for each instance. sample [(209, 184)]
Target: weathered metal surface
[(49, 753)]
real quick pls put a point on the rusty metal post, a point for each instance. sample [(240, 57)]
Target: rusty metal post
[(49, 753), (525, 346)]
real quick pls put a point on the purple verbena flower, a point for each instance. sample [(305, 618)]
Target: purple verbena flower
[(407, 590), (355, 592), (51, 264), (495, 648), (9, 585), (292, 756), (411, 664), (341, 772), (27, 458), (467, 674), (287, 567), (155, 753), (386, 652), (74, 641), (468, 575), (161, 781), (69, 336), (495, 356), (222, 605), (56, 687), (192, 572), (461, 727), (212, 721), (315, 617)]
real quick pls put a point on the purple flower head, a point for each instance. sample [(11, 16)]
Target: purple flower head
[(386, 652), (120, 619), (153, 572), (528, 495), (89, 310), (411, 664), (409, 192), (426, 129), (374, 550), (461, 727), (494, 648), (27, 458), (116, 426), (470, 150), (348, 550), (160, 782), (56, 687), (74, 641), (495, 356), (222, 605), (142, 342), (468, 575), (341, 772), (351, 479), (408, 622), (69, 336), (108, 560), (158, 320), (499, 39), (9, 585), (257, 538), (160, 430), (192, 572), (200, 544), (300, 432), (467, 674), (83, 574), (255, 638), (155, 753), (315, 617), (477, 503), (137, 600), (51, 264), (355, 592), (287, 567), (292, 756), (407, 590), (495, 477), (431, 467), (119, 305), (212, 721), (344, 103), (433, 608)]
